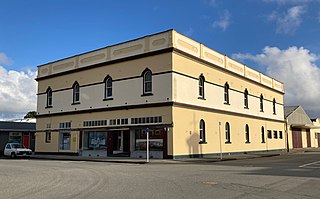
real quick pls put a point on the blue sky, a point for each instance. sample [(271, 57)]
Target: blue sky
[(272, 36)]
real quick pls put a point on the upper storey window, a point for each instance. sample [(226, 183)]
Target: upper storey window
[(147, 82), (201, 87), (226, 93), (49, 97), (76, 93), (274, 106), (246, 99), (261, 103), (108, 87)]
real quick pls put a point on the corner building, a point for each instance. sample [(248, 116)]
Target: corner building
[(193, 101)]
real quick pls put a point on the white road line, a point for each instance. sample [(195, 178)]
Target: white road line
[(312, 163)]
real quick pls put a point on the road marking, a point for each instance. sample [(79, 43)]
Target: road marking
[(312, 163)]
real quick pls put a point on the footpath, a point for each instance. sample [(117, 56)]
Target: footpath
[(176, 161)]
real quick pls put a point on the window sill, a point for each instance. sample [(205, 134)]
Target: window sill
[(75, 103), (146, 94), (106, 99), (274, 114), (202, 142), (228, 142), (227, 103), (246, 107), (201, 98), (261, 111), (48, 107), (248, 142), (263, 142)]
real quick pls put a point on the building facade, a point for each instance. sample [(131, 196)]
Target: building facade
[(192, 101), (17, 132), (302, 132)]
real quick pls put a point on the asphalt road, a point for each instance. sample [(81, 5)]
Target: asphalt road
[(289, 176)]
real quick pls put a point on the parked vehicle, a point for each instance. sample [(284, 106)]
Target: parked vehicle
[(16, 150)]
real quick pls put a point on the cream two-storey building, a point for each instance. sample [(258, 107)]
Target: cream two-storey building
[(192, 101)]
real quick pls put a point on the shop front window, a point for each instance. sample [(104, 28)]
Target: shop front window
[(95, 140), (15, 137), (155, 140), (65, 140)]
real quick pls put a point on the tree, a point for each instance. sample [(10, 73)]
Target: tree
[(31, 114)]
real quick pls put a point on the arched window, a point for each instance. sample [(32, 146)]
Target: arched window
[(262, 135), (226, 93), (228, 140), (49, 97), (76, 92), (247, 134), (147, 81), (274, 106), (261, 103), (201, 86), (108, 87), (246, 100), (202, 131)]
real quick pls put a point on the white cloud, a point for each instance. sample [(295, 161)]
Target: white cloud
[(297, 68), (212, 2), (17, 93), (289, 22), (223, 22), (282, 2), (4, 59), (189, 32)]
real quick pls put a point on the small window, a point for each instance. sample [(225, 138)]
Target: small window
[(247, 134), (280, 135), (49, 97), (269, 134), (226, 93), (261, 103), (108, 87), (228, 140), (202, 132), (262, 135), (274, 106), (76, 93), (201, 87), (246, 100), (275, 134), (48, 136), (147, 82)]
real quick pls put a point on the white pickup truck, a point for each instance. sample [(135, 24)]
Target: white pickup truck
[(16, 150)]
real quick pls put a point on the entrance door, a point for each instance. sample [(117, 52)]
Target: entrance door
[(26, 141), (126, 141), (296, 138), (308, 138), (318, 140), (110, 143)]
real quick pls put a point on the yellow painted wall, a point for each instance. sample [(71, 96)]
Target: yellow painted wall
[(186, 133)]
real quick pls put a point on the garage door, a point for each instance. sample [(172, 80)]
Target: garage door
[(296, 138)]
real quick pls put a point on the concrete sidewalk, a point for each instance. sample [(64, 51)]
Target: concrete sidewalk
[(155, 161), (170, 161)]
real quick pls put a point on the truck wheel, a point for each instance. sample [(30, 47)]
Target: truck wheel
[(13, 155)]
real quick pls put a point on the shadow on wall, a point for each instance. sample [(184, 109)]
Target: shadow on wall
[(195, 149)]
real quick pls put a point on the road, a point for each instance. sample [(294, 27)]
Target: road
[(288, 176)]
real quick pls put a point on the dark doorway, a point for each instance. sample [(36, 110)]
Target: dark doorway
[(126, 141), (296, 138), (308, 138), (318, 135)]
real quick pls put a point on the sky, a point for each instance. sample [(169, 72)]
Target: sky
[(280, 38)]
